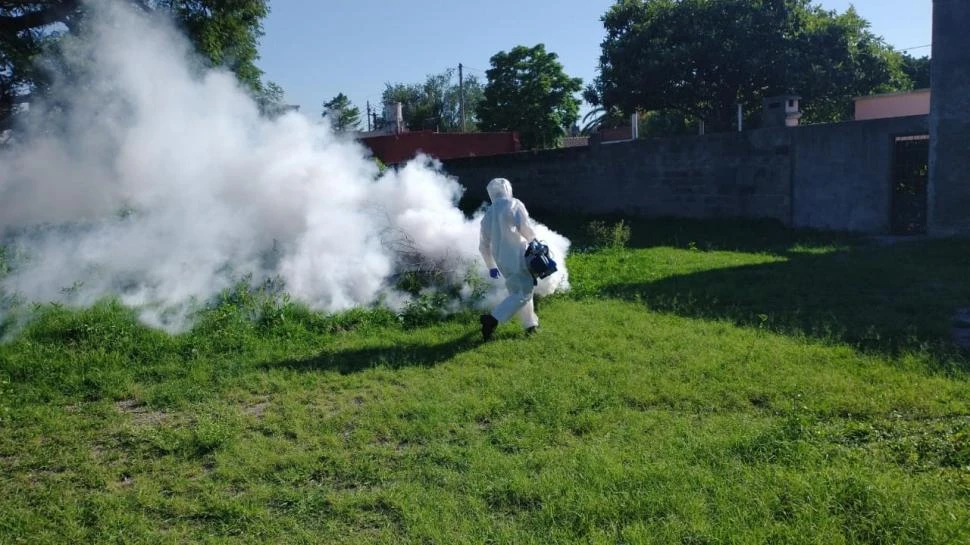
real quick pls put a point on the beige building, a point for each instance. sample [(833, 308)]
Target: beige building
[(893, 105)]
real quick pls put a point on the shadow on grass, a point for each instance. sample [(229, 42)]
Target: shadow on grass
[(885, 298), (752, 236), (394, 357)]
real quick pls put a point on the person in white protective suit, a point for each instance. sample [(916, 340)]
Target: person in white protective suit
[(505, 233)]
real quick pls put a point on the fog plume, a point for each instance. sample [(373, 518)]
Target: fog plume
[(147, 179)]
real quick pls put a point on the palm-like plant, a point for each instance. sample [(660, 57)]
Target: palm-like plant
[(601, 117)]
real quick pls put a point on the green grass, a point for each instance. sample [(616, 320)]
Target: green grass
[(711, 383)]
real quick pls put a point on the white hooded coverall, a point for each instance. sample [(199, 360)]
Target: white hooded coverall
[(505, 235)]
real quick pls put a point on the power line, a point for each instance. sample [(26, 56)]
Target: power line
[(916, 47)]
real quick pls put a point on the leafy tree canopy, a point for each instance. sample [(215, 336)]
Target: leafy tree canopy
[(225, 32), (528, 91), (703, 57)]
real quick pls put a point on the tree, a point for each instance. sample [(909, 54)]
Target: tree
[(418, 113), (528, 91), (269, 100), (225, 32), (342, 114), (474, 92), (602, 117), (683, 55), (663, 123), (841, 60), (917, 69), (435, 104)]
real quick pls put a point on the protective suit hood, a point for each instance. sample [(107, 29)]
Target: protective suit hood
[(499, 188)]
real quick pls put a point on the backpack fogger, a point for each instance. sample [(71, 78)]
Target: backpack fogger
[(538, 261)]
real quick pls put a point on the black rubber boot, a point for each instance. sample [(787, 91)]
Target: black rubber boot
[(531, 331), (489, 323)]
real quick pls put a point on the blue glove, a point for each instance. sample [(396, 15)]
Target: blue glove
[(493, 273)]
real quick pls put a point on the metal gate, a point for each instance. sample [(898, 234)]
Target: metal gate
[(911, 160)]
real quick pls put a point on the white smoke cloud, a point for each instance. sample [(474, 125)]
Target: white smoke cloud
[(163, 186)]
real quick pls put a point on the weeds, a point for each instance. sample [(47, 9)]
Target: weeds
[(608, 235), (5, 395)]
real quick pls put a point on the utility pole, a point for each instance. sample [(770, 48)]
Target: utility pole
[(461, 96), (368, 116)]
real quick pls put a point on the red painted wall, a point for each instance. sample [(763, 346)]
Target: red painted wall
[(621, 133), (398, 148)]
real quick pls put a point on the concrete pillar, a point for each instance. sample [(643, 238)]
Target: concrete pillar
[(949, 176)]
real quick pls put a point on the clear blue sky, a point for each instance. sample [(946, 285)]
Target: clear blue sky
[(318, 48)]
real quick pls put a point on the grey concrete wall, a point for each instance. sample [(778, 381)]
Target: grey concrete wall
[(949, 188), (724, 175), (833, 176), (842, 173)]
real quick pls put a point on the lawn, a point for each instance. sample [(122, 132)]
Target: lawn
[(703, 383)]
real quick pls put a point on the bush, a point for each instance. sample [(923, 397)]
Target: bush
[(424, 310), (605, 235)]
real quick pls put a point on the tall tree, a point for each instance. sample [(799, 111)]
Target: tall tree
[(473, 91), (528, 91), (703, 57), (917, 69), (225, 32), (435, 104), (269, 99), (418, 113), (342, 114)]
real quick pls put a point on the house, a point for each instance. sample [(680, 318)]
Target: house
[(901, 104)]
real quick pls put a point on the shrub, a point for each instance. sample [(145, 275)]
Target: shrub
[(606, 235)]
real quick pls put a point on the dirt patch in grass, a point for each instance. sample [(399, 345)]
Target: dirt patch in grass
[(257, 407), (139, 413)]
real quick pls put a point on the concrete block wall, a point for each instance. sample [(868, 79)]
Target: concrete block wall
[(745, 175), (831, 176), (842, 173)]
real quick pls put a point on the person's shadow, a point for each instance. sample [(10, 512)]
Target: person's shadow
[(394, 356)]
